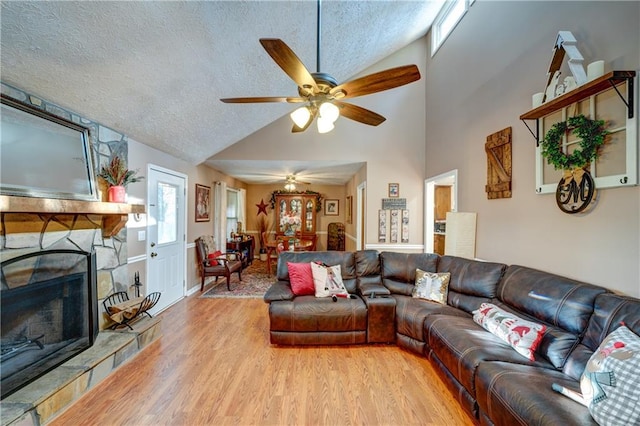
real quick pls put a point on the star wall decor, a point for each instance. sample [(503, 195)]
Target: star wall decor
[(262, 207)]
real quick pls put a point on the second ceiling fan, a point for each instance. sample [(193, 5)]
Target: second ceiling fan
[(321, 93)]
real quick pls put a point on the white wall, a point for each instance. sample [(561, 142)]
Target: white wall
[(480, 82), (393, 151)]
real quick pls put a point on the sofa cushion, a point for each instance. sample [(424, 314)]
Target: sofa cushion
[(310, 314), (610, 381), (301, 279), (472, 282), (411, 313), (399, 269), (554, 299), (431, 286), (368, 267), (561, 303), (461, 345), (522, 335), (346, 260), (513, 394), (369, 274), (327, 280)]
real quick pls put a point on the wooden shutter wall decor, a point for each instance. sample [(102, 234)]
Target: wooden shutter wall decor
[(498, 149)]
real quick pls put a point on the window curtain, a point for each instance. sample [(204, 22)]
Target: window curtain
[(220, 216), (242, 203)]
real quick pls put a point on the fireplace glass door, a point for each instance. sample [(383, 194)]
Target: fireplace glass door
[(49, 313)]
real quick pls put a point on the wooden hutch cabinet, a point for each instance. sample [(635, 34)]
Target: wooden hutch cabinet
[(301, 205)]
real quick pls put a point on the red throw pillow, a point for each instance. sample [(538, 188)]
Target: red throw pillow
[(215, 255), (301, 279)]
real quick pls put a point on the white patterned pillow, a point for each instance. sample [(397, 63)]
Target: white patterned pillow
[(327, 280), (523, 336), (432, 286), (610, 383)]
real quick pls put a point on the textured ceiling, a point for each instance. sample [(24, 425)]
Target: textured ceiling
[(156, 70)]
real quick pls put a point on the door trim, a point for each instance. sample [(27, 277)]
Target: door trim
[(360, 215), (448, 178)]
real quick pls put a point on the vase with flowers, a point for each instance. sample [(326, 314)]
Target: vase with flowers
[(290, 222), (118, 176)]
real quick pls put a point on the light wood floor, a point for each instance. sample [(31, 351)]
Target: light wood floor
[(214, 365)]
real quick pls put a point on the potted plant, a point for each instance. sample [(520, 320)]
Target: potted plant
[(118, 176), (263, 226)]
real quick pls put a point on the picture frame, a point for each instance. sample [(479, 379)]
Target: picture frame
[(394, 190), (349, 211), (331, 207), (203, 203)]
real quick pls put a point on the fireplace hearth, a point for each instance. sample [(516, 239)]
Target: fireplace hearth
[(48, 313)]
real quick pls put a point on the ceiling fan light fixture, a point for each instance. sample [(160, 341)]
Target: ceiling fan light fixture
[(301, 116), (324, 125), (289, 186), (329, 111)]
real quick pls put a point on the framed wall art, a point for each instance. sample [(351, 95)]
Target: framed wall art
[(395, 224), (382, 226), (203, 203), (349, 211), (394, 190), (331, 207)]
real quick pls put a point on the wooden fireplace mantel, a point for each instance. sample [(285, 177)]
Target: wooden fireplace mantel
[(114, 215)]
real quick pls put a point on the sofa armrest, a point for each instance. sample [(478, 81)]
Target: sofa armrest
[(280, 290), (368, 289)]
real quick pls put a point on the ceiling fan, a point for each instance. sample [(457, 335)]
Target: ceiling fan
[(321, 93), (291, 181)]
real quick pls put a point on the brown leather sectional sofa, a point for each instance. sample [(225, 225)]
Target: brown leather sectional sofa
[(494, 383)]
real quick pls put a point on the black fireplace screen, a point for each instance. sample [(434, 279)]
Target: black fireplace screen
[(48, 313)]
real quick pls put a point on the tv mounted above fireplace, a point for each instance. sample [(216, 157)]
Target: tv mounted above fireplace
[(44, 155)]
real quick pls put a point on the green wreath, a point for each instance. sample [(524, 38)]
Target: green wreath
[(591, 133)]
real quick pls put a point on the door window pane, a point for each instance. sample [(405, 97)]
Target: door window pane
[(167, 213)]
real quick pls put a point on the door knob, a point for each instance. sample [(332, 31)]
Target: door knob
[(154, 254), (153, 244)]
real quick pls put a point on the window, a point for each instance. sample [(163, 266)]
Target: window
[(232, 211), (451, 13)]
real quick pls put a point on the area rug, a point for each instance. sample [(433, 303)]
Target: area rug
[(254, 284)]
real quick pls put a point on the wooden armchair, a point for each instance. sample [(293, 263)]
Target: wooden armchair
[(221, 266)]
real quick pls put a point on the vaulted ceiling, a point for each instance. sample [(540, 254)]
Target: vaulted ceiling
[(156, 70)]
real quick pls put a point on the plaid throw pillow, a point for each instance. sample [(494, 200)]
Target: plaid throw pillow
[(610, 383)]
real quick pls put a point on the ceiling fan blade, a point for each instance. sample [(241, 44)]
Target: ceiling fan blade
[(296, 129), (356, 113), (262, 99), (377, 82), (289, 62)]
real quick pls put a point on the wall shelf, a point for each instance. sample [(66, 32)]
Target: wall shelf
[(611, 79), (114, 215)]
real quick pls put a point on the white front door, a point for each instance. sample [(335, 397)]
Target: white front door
[(166, 235)]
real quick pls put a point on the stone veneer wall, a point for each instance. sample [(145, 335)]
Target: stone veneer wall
[(24, 233)]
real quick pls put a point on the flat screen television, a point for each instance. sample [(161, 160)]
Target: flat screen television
[(44, 155)]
